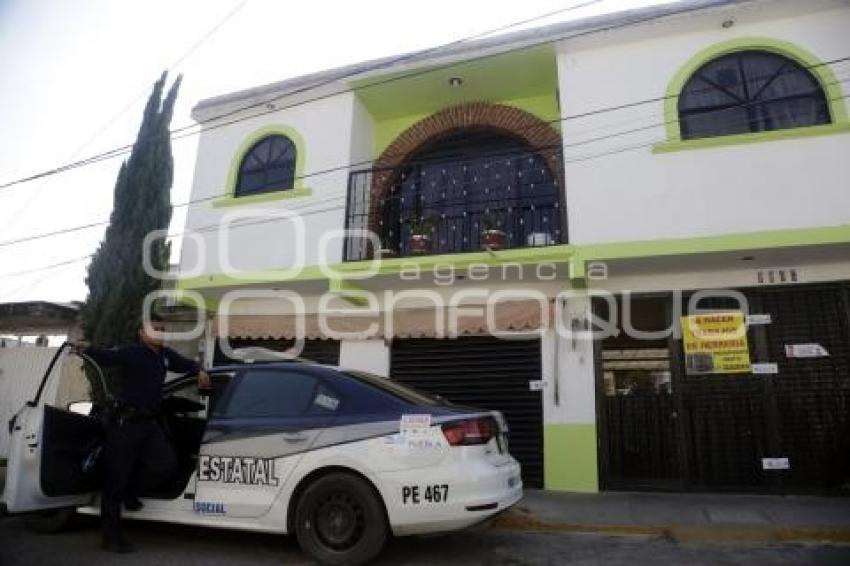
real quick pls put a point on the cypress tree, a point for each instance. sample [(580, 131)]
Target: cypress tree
[(116, 278)]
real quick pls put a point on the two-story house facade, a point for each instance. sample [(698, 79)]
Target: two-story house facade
[(460, 219)]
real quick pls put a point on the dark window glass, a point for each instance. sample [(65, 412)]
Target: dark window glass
[(273, 393), (750, 91), (394, 388), (268, 166), (463, 184)]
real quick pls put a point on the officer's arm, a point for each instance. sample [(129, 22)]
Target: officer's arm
[(108, 357), (181, 364)]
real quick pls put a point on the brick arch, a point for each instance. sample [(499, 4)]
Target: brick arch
[(524, 126)]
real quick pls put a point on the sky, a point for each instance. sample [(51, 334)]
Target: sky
[(74, 78)]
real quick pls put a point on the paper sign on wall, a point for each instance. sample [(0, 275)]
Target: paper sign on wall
[(805, 351), (765, 368), (775, 464), (757, 319), (716, 343)]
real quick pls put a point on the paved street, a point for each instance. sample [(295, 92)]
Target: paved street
[(168, 544)]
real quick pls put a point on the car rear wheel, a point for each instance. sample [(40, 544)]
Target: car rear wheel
[(339, 520), (50, 520)]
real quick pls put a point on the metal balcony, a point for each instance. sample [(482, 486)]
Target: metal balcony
[(453, 206)]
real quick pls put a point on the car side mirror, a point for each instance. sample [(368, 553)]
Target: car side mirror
[(81, 407)]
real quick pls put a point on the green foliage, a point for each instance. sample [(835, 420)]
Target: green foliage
[(116, 277)]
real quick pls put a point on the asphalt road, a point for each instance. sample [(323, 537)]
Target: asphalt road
[(165, 544)]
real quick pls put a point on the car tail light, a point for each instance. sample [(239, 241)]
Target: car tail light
[(470, 432)]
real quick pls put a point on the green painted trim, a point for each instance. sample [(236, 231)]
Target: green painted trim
[(270, 196), (575, 255), (348, 290), (823, 73), (215, 280), (755, 137), (745, 241), (569, 458), (461, 260), (210, 304), (297, 190)]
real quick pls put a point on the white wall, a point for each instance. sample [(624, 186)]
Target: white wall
[(572, 375), (365, 355), (638, 195), (326, 128)]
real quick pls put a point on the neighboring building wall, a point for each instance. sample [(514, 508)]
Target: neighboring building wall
[(619, 189)]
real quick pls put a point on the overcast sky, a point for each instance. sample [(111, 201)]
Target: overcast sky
[(75, 76)]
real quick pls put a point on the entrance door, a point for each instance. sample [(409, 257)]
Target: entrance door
[(47, 447), (636, 397), (484, 372)]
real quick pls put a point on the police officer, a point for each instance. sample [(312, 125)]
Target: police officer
[(135, 441)]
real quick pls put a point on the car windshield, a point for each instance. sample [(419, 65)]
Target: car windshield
[(395, 388)]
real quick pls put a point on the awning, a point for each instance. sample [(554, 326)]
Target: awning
[(465, 320)]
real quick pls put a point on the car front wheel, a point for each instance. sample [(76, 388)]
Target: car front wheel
[(339, 520)]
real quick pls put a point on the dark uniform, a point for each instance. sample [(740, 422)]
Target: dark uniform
[(137, 456)]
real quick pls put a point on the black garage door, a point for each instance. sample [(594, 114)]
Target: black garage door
[(483, 372)]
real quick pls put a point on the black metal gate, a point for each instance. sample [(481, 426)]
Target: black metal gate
[(483, 372), (714, 431)]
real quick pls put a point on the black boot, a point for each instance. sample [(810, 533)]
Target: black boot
[(118, 545), (132, 503)]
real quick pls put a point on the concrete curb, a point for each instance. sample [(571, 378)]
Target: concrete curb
[(519, 521)]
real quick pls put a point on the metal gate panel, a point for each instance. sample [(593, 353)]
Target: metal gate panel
[(812, 395), (483, 372)]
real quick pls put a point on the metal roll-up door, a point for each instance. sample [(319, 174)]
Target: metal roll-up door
[(319, 351), (483, 372)]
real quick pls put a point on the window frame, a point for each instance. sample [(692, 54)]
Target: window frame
[(751, 103), (299, 188), (820, 71), (267, 186)]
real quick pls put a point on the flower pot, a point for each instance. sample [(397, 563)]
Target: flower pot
[(493, 239), (420, 244)]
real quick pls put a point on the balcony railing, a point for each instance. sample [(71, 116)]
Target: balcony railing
[(442, 207)]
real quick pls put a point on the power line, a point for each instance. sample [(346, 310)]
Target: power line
[(366, 162), (339, 207), (174, 135)]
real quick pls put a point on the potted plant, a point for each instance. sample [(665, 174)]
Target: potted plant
[(420, 235), (492, 238)]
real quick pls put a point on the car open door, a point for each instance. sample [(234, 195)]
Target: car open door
[(48, 445)]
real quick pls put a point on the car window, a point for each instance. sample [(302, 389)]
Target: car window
[(275, 393), (325, 402), (394, 388)]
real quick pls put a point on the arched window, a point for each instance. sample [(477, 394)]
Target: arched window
[(268, 166), (750, 91)]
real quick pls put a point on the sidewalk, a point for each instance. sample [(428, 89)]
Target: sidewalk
[(687, 517)]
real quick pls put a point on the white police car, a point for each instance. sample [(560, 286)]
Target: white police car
[(340, 458)]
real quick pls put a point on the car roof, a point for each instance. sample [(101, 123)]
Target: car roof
[(273, 365)]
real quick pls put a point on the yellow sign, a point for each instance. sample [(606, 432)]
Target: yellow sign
[(716, 343)]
